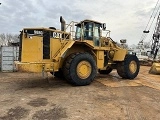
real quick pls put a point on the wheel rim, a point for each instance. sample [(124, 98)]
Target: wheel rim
[(133, 67), (83, 69)]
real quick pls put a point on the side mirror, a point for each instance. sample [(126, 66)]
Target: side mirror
[(104, 26)]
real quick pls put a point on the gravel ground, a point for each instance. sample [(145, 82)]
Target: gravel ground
[(28, 96)]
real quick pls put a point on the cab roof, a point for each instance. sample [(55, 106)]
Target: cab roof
[(87, 20)]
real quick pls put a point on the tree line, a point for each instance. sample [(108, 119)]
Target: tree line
[(8, 38)]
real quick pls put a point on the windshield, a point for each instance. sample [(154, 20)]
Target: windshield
[(88, 31)]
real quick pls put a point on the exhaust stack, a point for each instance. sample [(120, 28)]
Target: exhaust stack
[(63, 24)]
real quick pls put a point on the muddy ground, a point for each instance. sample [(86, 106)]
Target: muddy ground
[(27, 96)]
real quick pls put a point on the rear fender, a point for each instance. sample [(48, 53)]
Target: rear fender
[(63, 50), (57, 59)]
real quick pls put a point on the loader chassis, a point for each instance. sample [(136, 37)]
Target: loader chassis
[(75, 57)]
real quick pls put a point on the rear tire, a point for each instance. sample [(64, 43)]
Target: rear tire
[(129, 68), (80, 69)]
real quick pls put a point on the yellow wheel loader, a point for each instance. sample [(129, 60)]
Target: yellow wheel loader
[(77, 52)]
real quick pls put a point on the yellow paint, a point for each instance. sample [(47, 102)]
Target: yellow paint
[(155, 68), (133, 67), (55, 44), (35, 67), (32, 49), (100, 59), (119, 55), (84, 69)]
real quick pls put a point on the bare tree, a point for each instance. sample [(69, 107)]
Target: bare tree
[(15, 38), (7, 39), (2, 39)]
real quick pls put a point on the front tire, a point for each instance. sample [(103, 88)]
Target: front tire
[(129, 68), (80, 69)]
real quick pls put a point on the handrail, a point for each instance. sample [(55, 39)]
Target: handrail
[(71, 26)]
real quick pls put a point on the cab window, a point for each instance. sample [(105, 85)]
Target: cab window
[(96, 34), (88, 29), (78, 32)]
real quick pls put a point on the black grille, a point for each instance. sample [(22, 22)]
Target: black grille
[(20, 46), (46, 45)]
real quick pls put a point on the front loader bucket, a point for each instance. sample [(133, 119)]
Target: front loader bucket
[(155, 68)]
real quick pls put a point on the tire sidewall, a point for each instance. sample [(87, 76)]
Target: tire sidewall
[(73, 69), (126, 66)]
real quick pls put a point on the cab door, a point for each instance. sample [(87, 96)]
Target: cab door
[(96, 37), (92, 32)]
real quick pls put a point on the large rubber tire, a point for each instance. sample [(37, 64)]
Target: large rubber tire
[(129, 68), (107, 71), (80, 69)]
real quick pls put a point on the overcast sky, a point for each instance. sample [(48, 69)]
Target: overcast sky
[(125, 18)]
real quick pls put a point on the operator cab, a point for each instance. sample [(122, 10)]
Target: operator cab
[(89, 30)]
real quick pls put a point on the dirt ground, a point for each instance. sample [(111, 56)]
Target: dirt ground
[(28, 96)]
